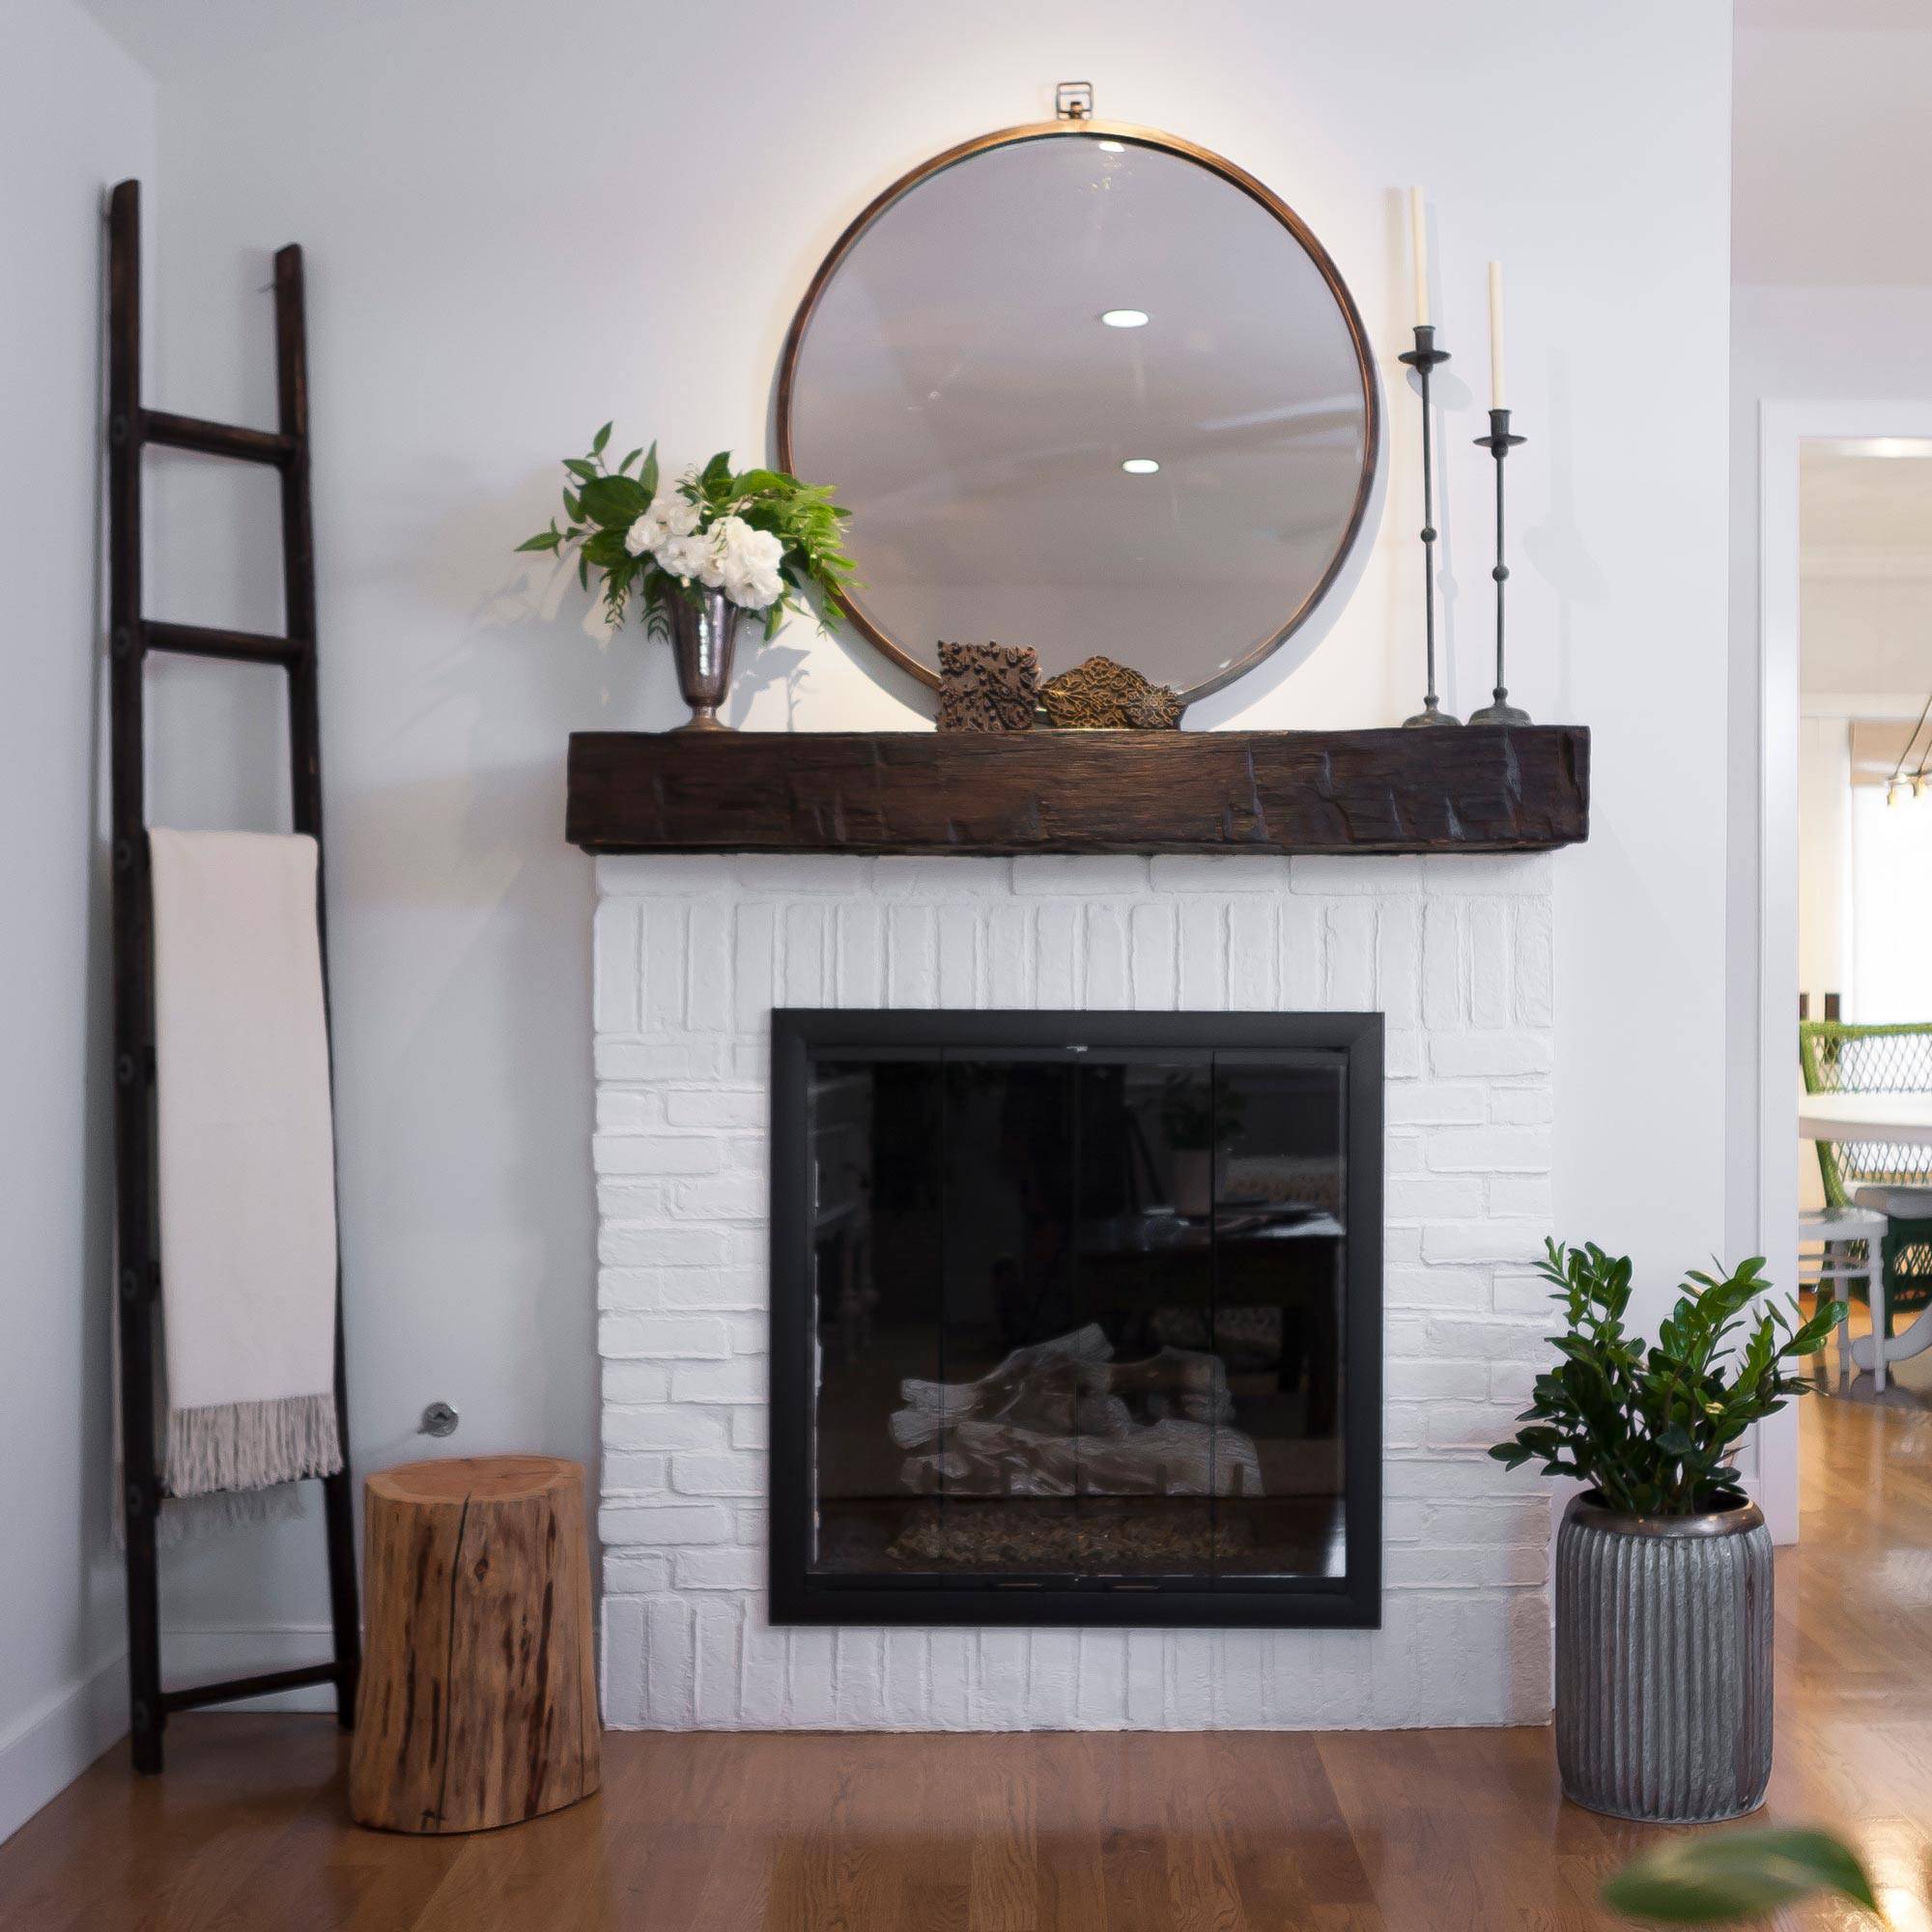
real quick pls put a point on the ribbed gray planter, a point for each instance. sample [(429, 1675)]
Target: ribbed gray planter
[(1663, 1663)]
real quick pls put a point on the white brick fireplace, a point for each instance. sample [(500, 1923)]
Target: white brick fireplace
[(691, 955)]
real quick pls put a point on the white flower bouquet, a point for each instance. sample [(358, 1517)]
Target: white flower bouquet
[(759, 535)]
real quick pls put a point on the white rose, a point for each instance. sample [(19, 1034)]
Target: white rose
[(685, 557), (753, 589), (677, 515), (645, 534)]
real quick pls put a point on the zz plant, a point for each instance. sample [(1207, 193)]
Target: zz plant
[(1653, 1427)]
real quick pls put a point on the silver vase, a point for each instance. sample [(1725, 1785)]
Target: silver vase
[(703, 629), (1663, 1663)]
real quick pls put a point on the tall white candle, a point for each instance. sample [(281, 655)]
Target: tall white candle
[(1418, 243), (1496, 336)]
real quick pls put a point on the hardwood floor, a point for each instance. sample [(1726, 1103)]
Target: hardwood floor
[(1362, 1831)]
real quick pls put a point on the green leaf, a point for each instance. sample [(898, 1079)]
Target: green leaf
[(543, 540), (598, 442), (1732, 1875), (614, 501), (624, 468), (584, 473), (647, 477), (717, 469)]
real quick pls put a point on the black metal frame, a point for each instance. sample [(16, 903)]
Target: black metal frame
[(1353, 1601), (130, 428)]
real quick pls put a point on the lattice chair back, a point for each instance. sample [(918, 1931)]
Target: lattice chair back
[(1841, 1058)]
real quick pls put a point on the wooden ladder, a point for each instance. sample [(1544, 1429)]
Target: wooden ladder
[(131, 428)]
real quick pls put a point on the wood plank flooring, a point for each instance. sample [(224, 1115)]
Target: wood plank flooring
[(1361, 1832)]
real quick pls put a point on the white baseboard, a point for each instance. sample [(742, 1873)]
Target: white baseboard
[(47, 1749), (199, 1654)]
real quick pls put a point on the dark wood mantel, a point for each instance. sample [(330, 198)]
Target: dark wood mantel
[(1523, 790)]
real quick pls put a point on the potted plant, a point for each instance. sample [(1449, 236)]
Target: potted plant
[(1663, 1572), (1195, 1115), (698, 553)]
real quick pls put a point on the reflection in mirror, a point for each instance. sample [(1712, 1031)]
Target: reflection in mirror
[(1088, 394)]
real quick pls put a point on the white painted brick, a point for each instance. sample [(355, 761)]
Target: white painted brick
[(666, 1337), (1521, 1106), (791, 873), (1492, 971), (860, 929), (662, 875), (741, 1378), (1535, 963), (663, 1426), (1493, 1340), (718, 1472), (718, 1622), (670, 1663), (1303, 954), (666, 924), (623, 1662), (951, 1661), (912, 955), (1401, 1154), (1467, 1424), (656, 1153), (681, 1291), (1151, 928), (1399, 960), (1438, 1380), (1489, 1150), (808, 1679), (858, 1679), (1079, 875), (941, 878), (617, 967), (1190, 1684), (1147, 1677), (634, 1200), (751, 1522), (1434, 1288), (750, 1428), (1102, 1695), (1053, 1679), (1513, 1384), (620, 1109), (1484, 872), (762, 1654), (628, 1475), (1056, 943), (1525, 1295), (1444, 1566), (1106, 957), (1433, 1197), (1336, 875), (1443, 1004), (1221, 872), (1351, 956), (1528, 1196), (636, 1572), (908, 1679), (721, 1197), (754, 940), (659, 1525), (1203, 956), (1403, 1053), (1464, 1056), (1514, 1242), (1432, 1103), (710, 948), (1251, 955), (646, 1244), (958, 947), (1009, 954), (626, 1382), (999, 1701), (658, 1059), (716, 1107), (751, 1334), (804, 937)]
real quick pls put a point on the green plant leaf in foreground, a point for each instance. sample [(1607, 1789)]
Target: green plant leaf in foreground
[(1734, 1875)]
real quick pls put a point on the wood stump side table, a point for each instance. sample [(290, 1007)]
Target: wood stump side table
[(478, 1703)]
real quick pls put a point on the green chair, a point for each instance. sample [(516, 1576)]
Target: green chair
[(1897, 1180)]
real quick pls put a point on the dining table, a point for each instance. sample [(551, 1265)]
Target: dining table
[(1894, 1120)]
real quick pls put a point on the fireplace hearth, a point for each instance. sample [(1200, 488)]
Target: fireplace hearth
[(1075, 1317)]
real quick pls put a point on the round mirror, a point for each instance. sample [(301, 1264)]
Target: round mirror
[(1087, 388)]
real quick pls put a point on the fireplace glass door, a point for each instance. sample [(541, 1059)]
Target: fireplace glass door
[(1076, 1323)]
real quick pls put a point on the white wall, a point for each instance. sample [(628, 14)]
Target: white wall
[(517, 227), (75, 115)]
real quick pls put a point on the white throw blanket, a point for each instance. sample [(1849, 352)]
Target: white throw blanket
[(246, 1164)]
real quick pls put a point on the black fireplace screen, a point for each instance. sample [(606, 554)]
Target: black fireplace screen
[(1076, 1318)]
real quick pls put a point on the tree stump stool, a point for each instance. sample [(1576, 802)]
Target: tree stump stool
[(478, 1704)]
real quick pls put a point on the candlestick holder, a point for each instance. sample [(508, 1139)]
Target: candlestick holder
[(1423, 358), (1500, 443)]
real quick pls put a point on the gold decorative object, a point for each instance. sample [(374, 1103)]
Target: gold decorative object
[(1101, 694), (987, 687)]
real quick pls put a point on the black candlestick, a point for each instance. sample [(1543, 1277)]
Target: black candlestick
[(1500, 443), (1422, 358)]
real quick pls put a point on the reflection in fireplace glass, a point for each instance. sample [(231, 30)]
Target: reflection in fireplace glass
[(1079, 1318)]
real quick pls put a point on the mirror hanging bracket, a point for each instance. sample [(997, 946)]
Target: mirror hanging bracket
[(1073, 101)]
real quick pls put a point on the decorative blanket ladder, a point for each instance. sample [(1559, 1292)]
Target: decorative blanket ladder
[(130, 428)]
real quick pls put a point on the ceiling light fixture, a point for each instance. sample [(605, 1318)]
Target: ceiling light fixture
[(1140, 466), (1124, 318)]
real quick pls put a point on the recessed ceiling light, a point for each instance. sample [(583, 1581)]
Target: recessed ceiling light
[(1124, 318), (1112, 147), (1140, 466)]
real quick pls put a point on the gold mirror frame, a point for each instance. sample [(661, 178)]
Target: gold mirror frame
[(1141, 137)]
